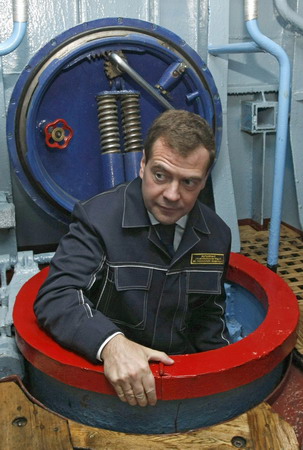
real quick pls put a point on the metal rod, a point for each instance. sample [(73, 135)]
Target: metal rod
[(116, 59)]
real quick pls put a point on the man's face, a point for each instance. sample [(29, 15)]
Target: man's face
[(171, 183)]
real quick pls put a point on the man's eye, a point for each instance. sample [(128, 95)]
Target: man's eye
[(189, 183), (159, 176)]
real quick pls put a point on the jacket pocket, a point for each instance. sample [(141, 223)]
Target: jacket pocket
[(201, 286), (204, 282), (127, 304)]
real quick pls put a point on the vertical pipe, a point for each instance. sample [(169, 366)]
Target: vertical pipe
[(261, 43), (282, 127), (19, 28)]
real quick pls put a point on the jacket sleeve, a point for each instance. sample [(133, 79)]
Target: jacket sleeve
[(61, 307), (207, 325)]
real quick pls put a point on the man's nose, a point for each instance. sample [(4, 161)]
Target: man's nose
[(172, 192)]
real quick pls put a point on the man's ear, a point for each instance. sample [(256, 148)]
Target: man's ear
[(142, 165)]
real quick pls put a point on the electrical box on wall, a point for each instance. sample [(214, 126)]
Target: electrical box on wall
[(258, 117)]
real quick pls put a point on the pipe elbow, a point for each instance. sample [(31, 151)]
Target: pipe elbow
[(14, 40), (267, 44)]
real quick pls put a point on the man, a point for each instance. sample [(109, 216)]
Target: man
[(117, 291)]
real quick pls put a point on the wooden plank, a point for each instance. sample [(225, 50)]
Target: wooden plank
[(25, 425), (258, 429), (212, 438), (270, 431)]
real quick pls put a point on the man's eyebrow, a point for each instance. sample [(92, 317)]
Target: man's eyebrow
[(194, 178), (159, 166)]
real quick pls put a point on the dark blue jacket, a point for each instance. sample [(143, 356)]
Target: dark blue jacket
[(112, 273)]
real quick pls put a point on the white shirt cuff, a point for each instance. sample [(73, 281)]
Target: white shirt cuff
[(104, 344)]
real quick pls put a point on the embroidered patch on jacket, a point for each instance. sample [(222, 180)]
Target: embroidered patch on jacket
[(207, 258)]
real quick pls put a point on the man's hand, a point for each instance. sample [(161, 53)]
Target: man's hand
[(126, 366)]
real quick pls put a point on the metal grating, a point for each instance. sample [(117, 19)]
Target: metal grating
[(254, 244)]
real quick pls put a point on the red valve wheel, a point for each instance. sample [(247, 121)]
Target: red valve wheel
[(58, 134)]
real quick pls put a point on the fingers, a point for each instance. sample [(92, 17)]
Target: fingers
[(126, 366), (141, 398), (121, 394), (151, 397), (149, 387), (155, 355), (145, 391), (132, 398), (140, 393), (126, 394)]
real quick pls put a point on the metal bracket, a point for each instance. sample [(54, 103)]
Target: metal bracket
[(258, 117), (7, 212), (24, 269)]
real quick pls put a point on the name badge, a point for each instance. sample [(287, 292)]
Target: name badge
[(207, 258)]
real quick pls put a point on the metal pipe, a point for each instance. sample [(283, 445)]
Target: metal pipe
[(281, 136), (250, 10), (3, 270), (242, 47), (19, 27), (289, 14), (44, 258), (7, 262), (20, 10), (263, 43), (116, 59)]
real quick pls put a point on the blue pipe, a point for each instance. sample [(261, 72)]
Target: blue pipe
[(242, 47), (281, 136), (15, 39), (263, 43), (19, 28)]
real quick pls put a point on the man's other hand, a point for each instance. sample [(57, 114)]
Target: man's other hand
[(126, 366)]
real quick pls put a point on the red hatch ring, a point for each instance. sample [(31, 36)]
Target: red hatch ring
[(191, 376)]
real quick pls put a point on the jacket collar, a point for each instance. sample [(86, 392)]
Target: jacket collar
[(134, 211)]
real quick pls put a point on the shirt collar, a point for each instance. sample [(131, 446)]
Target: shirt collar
[(135, 214), (181, 222)]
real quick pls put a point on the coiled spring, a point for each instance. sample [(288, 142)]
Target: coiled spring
[(131, 122), (108, 123)]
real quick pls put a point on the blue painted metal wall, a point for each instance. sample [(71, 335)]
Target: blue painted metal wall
[(244, 174), (254, 77)]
